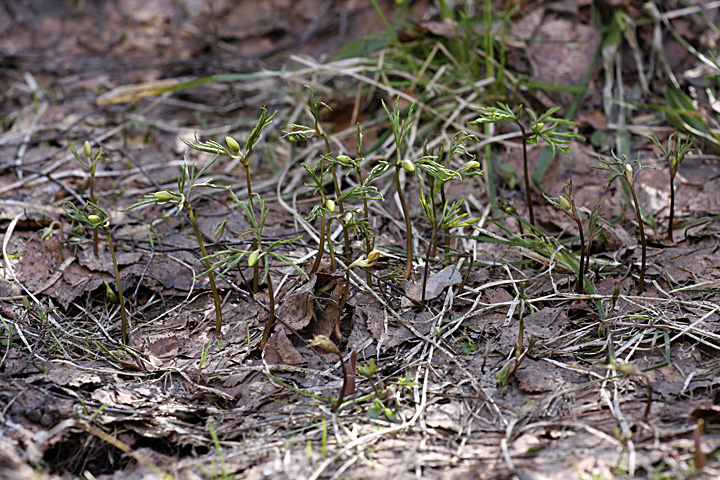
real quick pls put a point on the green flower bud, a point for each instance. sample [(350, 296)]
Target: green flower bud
[(164, 196), (325, 344), (94, 219), (408, 165), (344, 159), (253, 258), (234, 146), (87, 149), (629, 172), (565, 203), (110, 294), (374, 256), (330, 205), (537, 128), (470, 166), (294, 138)]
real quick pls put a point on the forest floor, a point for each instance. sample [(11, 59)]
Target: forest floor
[(506, 367)]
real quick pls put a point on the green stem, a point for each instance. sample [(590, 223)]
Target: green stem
[(255, 242), (341, 397), (208, 267), (581, 271), (321, 245), (531, 214), (271, 317), (672, 208), (433, 242), (94, 210), (366, 211), (408, 224), (642, 238), (123, 314)]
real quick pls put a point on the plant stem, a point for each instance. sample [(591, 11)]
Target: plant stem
[(433, 242), (581, 271), (321, 245), (211, 276), (341, 397), (531, 214), (366, 211), (672, 208), (255, 242), (642, 238), (408, 224), (123, 314), (271, 315), (94, 211), (336, 186)]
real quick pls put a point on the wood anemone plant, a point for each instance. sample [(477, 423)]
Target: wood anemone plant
[(187, 181), (400, 128), (242, 155), (628, 172), (90, 163), (674, 155), (260, 256), (544, 127), (96, 218), (298, 133), (566, 203)]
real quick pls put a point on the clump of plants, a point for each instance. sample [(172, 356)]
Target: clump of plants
[(93, 216), (188, 180), (260, 256), (544, 127)]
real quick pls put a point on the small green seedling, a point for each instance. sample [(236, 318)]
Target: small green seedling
[(188, 180), (450, 217), (544, 127), (90, 163), (95, 217), (243, 155), (378, 407), (628, 172), (674, 155)]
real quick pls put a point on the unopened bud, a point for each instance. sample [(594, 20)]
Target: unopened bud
[(629, 172), (470, 166), (164, 196), (537, 128), (408, 165), (565, 203), (253, 258), (94, 219), (344, 159), (87, 149), (234, 145), (374, 256), (325, 344), (330, 204)]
